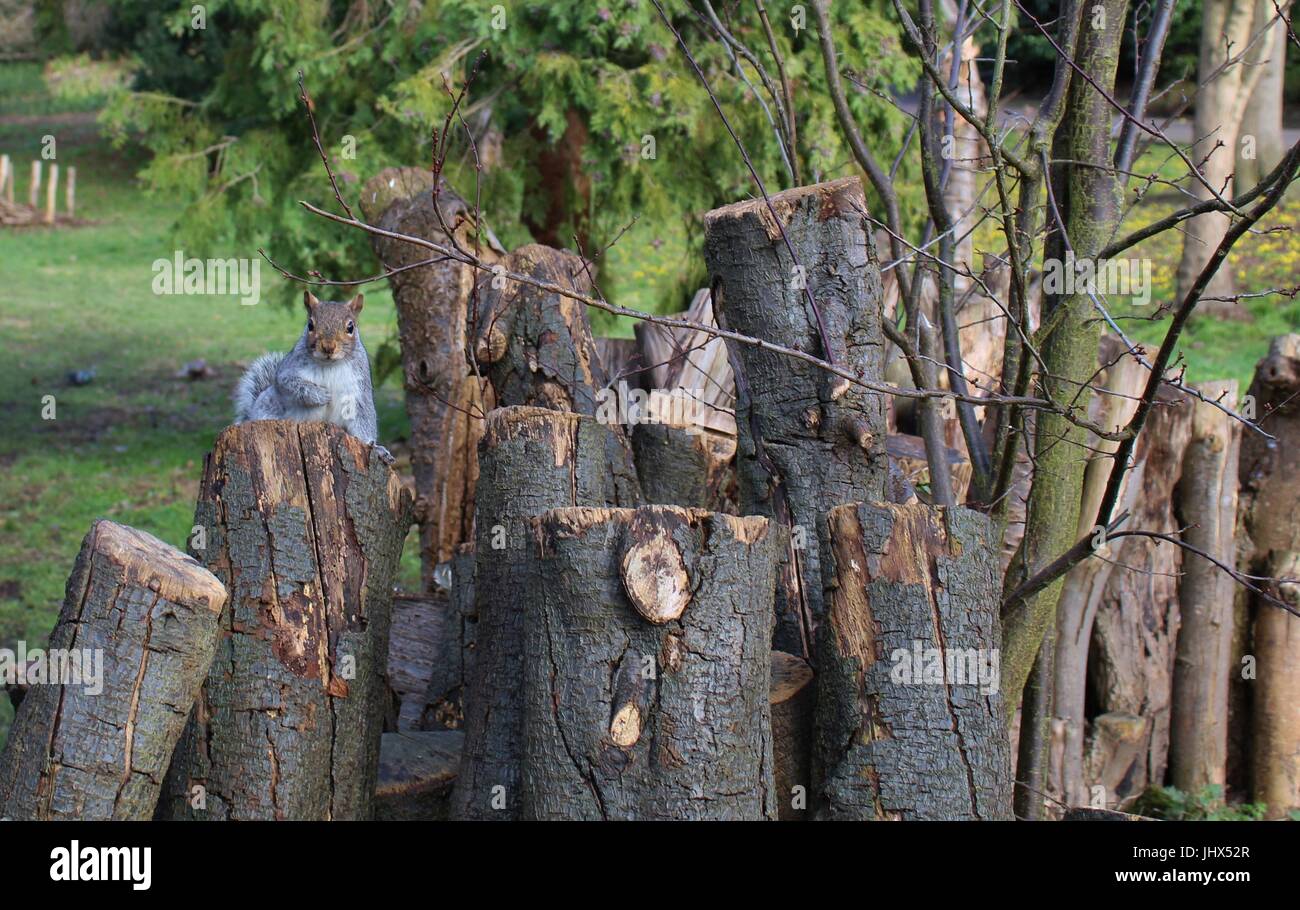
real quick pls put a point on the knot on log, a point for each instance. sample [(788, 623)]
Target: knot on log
[(654, 573)]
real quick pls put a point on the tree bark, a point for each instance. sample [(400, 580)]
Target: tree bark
[(452, 656), (95, 745), (901, 734), (415, 640), (531, 460), (647, 666), (793, 703), (1226, 30), (1131, 660), (416, 773), (304, 525), (685, 466), (1270, 501), (432, 309), (1262, 119), (1198, 733), (808, 440)]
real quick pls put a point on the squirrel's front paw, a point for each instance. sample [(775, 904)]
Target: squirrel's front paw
[(384, 455), (314, 395)]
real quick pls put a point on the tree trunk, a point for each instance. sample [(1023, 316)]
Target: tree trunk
[(531, 460), (1261, 122), (138, 629), (902, 733), (452, 656), (793, 703), (647, 666), (304, 525), (414, 640), (1088, 196), (1131, 660), (1198, 733), (1084, 585), (685, 466), (416, 773), (1270, 501), (1226, 30), (808, 440), (432, 309)]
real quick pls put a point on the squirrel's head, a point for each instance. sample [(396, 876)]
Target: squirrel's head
[(332, 332)]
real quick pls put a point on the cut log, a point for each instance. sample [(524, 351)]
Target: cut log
[(417, 632), (686, 466), (92, 737), (452, 657), (793, 703), (1207, 501), (808, 440), (658, 717), (531, 459), (416, 773), (1270, 501), (909, 718), (535, 346), (443, 400), (304, 525), (1131, 658)]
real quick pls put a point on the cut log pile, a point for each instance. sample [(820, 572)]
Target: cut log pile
[(668, 578)]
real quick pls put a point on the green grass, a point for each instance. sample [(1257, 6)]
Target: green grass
[(130, 445)]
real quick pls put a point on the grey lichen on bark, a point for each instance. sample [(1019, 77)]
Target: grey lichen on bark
[(808, 440), (909, 717), (628, 718), (142, 618), (304, 524), (531, 459)]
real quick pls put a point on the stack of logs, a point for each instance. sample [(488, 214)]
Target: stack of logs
[(737, 609)]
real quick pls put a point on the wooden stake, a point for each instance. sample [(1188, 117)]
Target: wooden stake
[(51, 193), (6, 177), (70, 193), (34, 190)]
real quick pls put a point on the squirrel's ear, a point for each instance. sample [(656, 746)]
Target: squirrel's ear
[(309, 300), (356, 303)]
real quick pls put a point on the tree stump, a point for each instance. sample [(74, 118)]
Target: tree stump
[(688, 466), (452, 654), (909, 717), (1207, 506), (416, 773), (304, 525), (793, 699), (1270, 501), (808, 440), (432, 311), (138, 629), (531, 460), (647, 666)]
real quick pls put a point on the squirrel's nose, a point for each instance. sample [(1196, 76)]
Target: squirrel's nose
[(327, 348)]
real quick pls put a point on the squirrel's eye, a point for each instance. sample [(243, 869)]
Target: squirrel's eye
[(311, 325), (351, 327)]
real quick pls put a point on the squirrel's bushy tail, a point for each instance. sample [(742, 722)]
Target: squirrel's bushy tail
[(256, 379)]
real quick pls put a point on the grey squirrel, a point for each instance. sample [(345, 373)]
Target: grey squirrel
[(326, 376)]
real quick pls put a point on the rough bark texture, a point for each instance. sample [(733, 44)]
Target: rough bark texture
[(416, 773), (1270, 502), (304, 525), (1207, 500), (892, 742), (685, 466), (531, 460), (628, 718), (452, 657), (793, 702), (534, 346), (808, 440), (432, 309), (414, 644), (77, 751), (1131, 660)]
